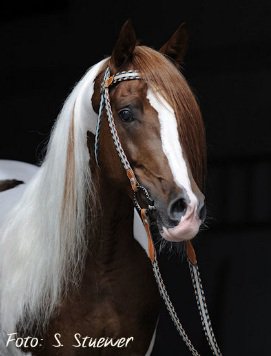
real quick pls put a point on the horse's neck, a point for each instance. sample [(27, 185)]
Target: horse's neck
[(114, 268), (114, 235)]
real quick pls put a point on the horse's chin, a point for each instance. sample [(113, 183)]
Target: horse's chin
[(186, 230)]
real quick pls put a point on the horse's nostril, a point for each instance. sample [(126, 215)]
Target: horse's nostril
[(202, 212), (177, 209)]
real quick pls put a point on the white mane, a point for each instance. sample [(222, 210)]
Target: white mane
[(42, 243)]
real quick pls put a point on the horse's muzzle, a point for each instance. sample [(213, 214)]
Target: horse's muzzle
[(186, 229), (182, 219)]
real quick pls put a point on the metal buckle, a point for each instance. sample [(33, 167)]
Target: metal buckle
[(150, 201)]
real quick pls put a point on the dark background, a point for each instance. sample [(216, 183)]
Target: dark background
[(45, 49)]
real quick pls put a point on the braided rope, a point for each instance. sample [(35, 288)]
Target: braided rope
[(105, 102), (114, 133), (171, 309), (126, 75), (203, 310), (98, 128), (98, 125)]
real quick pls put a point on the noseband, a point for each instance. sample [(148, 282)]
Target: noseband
[(108, 81)]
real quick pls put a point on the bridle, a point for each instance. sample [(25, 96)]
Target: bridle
[(135, 185), (108, 81)]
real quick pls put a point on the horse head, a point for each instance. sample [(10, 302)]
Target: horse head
[(160, 129)]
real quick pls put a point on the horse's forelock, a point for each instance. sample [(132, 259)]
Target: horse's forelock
[(162, 75)]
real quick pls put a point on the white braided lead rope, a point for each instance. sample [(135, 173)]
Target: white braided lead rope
[(171, 309), (203, 310)]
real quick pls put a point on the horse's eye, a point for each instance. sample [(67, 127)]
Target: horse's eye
[(126, 115)]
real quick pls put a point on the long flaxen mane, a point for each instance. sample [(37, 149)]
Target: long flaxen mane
[(43, 243)]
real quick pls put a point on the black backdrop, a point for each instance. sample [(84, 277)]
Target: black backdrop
[(47, 46)]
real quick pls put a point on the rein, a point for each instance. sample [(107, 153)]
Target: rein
[(108, 81)]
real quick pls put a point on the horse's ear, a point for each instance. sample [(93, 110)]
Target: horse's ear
[(176, 47), (124, 46)]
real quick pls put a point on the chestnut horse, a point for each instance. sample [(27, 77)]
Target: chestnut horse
[(72, 259)]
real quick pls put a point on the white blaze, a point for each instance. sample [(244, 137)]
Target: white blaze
[(171, 144)]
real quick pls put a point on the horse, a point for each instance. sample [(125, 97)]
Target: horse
[(74, 249)]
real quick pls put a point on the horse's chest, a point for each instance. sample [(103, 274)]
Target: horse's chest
[(115, 303), (96, 309), (90, 315)]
